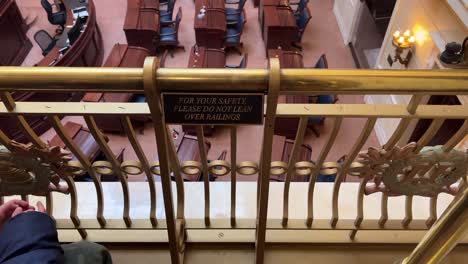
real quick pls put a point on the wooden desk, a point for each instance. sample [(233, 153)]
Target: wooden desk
[(126, 56), (279, 27), (205, 58), (187, 150), (210, 31), (15, 44), (287, 58), (282, 150), (86, 51), (274, 3), (142, 24), (83, 139), (287, 126)]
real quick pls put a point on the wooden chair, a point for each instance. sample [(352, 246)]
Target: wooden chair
[(302, 21), (232, 14), (169, 34), (234, 33), (329, 171), (165, 15), (83, 139), (45, 41), (187, 150), (58, 18), (301, 5), (321, 63)]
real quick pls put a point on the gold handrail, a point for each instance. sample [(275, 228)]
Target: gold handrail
[(243, 80), (444, 235), (436, 244)]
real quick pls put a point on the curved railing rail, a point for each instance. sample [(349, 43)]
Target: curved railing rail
[(175, 216)]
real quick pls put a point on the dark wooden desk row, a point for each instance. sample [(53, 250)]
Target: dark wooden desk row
[(202, 57), (279, 29), (15, 44), (210, 30), (83, 138), (121, 55), (274, 3), (286, 126), (142, 24), (186, 147)]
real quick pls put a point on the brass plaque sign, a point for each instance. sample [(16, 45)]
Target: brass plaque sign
[(213, 109)]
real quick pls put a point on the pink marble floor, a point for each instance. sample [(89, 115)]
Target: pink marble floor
[(321, 36)]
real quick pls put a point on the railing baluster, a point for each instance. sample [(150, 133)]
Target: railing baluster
[(153, 96), (29, 132), (423, 141), (127, 124), (408, 211), (206, 176), (74, 206), (456, 138), (360, 208), (98, 136), (321, 159), (71, 145), (384, 210), (402, 126), (404, 123), (176, 168), (291, 166), (429, 134), (4, 140), (233, 174), (8, 100), (25, 197), (432, 212), (349, 159), (274, 85)]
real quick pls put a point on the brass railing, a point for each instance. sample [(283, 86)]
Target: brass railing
[(272, 82)]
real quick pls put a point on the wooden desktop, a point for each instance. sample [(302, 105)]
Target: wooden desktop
[(279, 27), (210, 30), (142, 24)]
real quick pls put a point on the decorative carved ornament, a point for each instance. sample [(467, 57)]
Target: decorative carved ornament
[(401, 171), (27, 169)]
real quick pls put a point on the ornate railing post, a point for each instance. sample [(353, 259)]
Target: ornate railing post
[(153, 96)]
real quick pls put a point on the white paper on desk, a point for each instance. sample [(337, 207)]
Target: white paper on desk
[(80, 14)]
